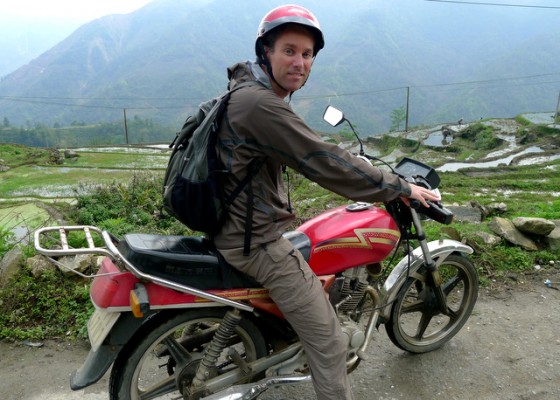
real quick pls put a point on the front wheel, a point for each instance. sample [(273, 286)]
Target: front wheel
[(164, 355), (416, 324)]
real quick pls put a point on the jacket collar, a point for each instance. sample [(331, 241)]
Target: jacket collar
[(247, 71)]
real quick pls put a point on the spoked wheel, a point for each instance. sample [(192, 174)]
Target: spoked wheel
[(416, 323), (165, 355)]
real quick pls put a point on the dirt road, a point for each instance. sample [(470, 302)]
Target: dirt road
[(509, 349)]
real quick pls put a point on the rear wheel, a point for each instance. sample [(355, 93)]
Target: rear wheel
[(165, 355), (416, 324)]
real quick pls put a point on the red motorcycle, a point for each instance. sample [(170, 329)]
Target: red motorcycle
[(178, 323)]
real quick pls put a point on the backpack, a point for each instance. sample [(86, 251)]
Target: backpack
[(193, 183)]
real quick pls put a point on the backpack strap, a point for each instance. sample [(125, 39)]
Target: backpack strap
[(252, 170)]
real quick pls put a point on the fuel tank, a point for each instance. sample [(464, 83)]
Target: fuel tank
[(349, 236)]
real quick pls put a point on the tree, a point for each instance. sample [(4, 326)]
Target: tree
[(6, 123), (398, 115)]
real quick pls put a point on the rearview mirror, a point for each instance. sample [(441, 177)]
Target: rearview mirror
[(333, 116)]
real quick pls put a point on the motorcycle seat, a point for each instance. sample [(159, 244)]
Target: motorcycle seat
[(192, 261), (188, 260)]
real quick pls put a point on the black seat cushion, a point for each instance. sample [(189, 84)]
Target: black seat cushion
[(191, 261)]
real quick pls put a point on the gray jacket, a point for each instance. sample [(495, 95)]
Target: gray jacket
[(259, 124)]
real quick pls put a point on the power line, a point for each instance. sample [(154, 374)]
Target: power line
[(363, 93), (441, 89), (59, 102), (45, 100), (109, 98), (487, 80), (492, 4), (477, 82)]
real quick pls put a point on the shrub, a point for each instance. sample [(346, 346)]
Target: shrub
[(48, 306), (6, 240), (482, 136), (522, 120), (125, 207)]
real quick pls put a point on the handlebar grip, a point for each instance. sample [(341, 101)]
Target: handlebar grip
[(436, 211)]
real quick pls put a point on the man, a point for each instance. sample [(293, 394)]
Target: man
[(259, 124)]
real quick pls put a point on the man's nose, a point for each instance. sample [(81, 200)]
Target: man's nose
[(298, 60)]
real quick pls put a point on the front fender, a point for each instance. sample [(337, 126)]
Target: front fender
[(439, 249), (98, 362)]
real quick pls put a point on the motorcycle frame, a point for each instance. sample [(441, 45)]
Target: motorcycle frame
[(98, 362)]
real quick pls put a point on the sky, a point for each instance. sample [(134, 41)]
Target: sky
[(81, 11), (30, 27)]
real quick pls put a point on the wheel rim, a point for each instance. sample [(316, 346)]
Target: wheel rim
[(155, 373), (420, 321)]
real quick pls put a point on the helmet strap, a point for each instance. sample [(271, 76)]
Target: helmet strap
[(263, 59)]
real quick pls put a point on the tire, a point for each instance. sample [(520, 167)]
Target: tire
[(145, 361), (416, 325)]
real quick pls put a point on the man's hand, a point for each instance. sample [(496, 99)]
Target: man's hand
[(421, 194)]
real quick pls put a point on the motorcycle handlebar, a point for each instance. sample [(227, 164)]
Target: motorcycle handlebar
[(421, 175), (436, 211)]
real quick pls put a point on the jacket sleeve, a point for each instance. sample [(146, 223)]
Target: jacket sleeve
[(279, 133)]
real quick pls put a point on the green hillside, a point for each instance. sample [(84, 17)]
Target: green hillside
[(159, 62), (119, 189)]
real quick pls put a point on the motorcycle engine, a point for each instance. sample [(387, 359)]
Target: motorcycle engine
[(346, 295), (349, 289), (353, 334)]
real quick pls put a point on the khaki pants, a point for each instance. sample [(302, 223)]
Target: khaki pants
[(300, 296)]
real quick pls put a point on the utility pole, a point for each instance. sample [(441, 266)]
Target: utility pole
[(557, 114), (125, 126), (407, 103)]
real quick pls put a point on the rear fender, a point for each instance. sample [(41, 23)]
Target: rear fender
[(439, 249), (98, 362)]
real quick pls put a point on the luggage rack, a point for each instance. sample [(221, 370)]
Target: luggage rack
[(112, 252), (66, 250), (60, 235)]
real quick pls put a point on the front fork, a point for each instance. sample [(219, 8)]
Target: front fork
[(434, 278)]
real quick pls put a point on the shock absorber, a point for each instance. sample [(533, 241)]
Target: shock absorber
[(216, 346)]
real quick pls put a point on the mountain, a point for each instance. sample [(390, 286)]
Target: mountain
[(22, 40), (158, 63)]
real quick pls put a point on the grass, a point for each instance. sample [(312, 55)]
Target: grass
[(17, 154), (22, 215), (114, 191), (34, 173), (117, 160), (48, 306), (527, 190), (48, 181)]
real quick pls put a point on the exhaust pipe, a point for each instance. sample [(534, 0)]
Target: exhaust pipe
[(251, 391)]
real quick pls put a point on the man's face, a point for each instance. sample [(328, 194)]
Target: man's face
[(291, 59)]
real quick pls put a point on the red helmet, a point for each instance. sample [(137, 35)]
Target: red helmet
[(289, 14)]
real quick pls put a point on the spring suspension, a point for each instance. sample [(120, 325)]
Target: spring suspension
[(216, 346)]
